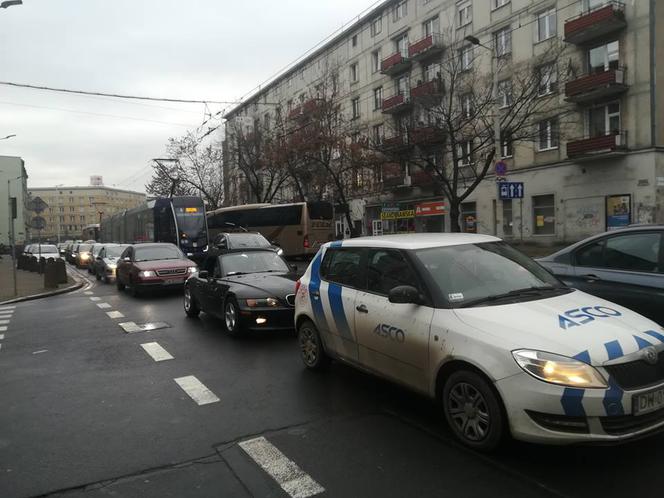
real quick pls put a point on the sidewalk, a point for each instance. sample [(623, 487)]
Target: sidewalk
[(27, 283)]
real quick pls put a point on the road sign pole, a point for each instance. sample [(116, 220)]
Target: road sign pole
[(521, 215)]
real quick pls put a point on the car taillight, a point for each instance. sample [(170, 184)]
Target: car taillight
[(306, 242), (297, 286)]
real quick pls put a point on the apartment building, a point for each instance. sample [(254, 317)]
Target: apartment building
[(13, 185), (604, 171), (70, 209)]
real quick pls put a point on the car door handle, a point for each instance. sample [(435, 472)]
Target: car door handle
[(590, 277), (362, 308)]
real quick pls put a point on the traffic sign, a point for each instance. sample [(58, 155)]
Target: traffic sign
[(511, 190), (501, 169), (38, 223)]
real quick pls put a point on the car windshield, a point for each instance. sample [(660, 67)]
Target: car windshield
[(157, 252), (241, 240), (114, 251), (253, 262), (84, 247), (477, 273)]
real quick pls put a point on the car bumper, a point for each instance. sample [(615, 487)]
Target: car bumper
[(545, 413), (267, 319), (162, 283)]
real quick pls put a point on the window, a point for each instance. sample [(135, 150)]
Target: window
[(354, 40), (465, 153), (378, 133), (603, 58), (507, 218), (505, 93), (356, 107), (464, 13), (431, 26), (342, 266), (547, 77), (506, 144), (604, 119), (591, 255), (466, 57), (469, 217), (376, 26), (354, 73), (496, 4), (548, 134), (428, 72), (545, 25), (401, 86), (466, 104), (635, 252), (378, 98), (401, 45), (387, 269), (266, 121), (544, 215), (400, 11), (375, 61), (593, 4), (502, 40)]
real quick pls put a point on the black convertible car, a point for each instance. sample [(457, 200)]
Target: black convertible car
[(249, 289)]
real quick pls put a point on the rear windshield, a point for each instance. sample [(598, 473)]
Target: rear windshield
[(241, 240), (48, 249), (84, 247), (114, 251), (153, 253)]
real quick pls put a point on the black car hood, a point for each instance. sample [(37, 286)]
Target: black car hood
[(263, 284)]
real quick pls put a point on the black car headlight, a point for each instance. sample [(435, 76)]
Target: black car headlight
[(268, 302)]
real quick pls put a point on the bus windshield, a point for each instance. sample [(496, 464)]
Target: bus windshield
[(191, 223)]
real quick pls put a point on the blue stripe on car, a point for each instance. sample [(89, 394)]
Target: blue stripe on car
[(314, 289), (572, 399), (337, 305), (642, 343), (584, 356), (655, 334), (613, 399), (614, 350)]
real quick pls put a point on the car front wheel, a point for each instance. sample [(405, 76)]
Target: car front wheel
[(473, 410), (190, 305), (311, 347), (232, 317)]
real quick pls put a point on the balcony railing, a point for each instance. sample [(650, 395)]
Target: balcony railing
[(427, 46), (426, 135), (397, 103), (596, 86), (592, 24), (395, 143), (395, 63), (427, 90), (615, 141)]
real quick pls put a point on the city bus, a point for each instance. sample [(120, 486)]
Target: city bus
[(299, 228), (90, 232), (179, 220)]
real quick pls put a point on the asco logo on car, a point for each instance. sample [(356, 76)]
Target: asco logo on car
[(390, 332), (587, 314)]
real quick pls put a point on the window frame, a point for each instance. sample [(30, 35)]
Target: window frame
[(502, 38), (464, 13), (547, 77), (354, 72), (431, 26), (421, 286), (355, 106), (496, 4), (534, 213), (552, 139), (376, 60), (376, 26), (378, 98), (546, 15), (400, 10), (505, 93), (604, 240), (466, 52), (361, 276)]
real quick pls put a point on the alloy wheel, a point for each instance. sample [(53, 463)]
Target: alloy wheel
[(469, 411), (308, 346), (230, 316)]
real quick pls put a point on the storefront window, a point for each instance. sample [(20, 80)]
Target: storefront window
[(544, 215), (469, 217)]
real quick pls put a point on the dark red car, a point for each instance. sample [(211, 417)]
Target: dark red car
[(152, 266)]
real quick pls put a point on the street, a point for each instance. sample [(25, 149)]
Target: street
[(88, 411)]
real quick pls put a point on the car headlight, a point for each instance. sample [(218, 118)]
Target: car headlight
[(112, 266), (84, 255), (269, 302), (146, 274), (192, 269), (560, 370)]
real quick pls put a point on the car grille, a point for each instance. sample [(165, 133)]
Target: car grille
[(638, 374), (171, 271), (560, 423), (290, 299), (625, 424)]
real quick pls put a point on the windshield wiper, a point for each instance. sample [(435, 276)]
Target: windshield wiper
[(513, 293), (233, 273)]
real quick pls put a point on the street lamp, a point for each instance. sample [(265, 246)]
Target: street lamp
[(494, 91), (10, 3)]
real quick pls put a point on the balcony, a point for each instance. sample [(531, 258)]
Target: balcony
[(395, 144), (429, 90), (426, 47), (426, 135), (393, 175), (397, 103), (593, 24), (610, 143), (592, 87), (395, 64)]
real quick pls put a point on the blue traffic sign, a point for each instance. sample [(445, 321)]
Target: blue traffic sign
[(511, 190)]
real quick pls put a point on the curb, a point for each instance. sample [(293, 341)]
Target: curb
[(79, 283)]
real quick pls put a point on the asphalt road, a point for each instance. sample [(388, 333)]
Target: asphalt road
[(86, 411)]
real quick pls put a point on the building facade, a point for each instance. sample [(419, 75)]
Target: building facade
[(70, 209), (603, 171), (13, 184)]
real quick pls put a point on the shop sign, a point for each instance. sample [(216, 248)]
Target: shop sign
[(431, 209), (397, 215), (618, 211)]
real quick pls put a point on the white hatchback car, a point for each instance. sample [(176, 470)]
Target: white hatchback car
[(499, 341)]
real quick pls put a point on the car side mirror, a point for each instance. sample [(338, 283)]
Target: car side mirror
[(204, 274), (404, 294)]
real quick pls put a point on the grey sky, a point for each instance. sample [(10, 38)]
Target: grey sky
[(191, 49)]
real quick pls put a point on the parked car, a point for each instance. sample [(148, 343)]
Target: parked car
[(106, 262), (624, 266), (502, 344), (43, 250), (152, 266), (249, 289)]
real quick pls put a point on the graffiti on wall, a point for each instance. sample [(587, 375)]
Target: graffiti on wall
[(588, 217)]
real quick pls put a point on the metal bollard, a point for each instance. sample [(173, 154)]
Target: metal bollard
[(50, 274), (61, 270)]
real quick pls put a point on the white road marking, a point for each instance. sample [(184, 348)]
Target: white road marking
[(88, 293), (114, 314), (130, 327), (104, 306), (2, 336), (4, 322), (40, 351), (5, 317), (95, 299), (3, 329), (8, 308), (292, 479), (196, 390), (156, 351)]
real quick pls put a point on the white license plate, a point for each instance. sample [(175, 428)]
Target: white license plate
[(172, 281), (648, 402)]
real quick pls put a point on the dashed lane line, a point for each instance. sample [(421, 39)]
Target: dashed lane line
[(2, 336), (196, 390), (4, 322), (156, 351), (114, 314), (88, 293), (292, 479), (7, 308), (3, 329), (93, 298), (104, 306)]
